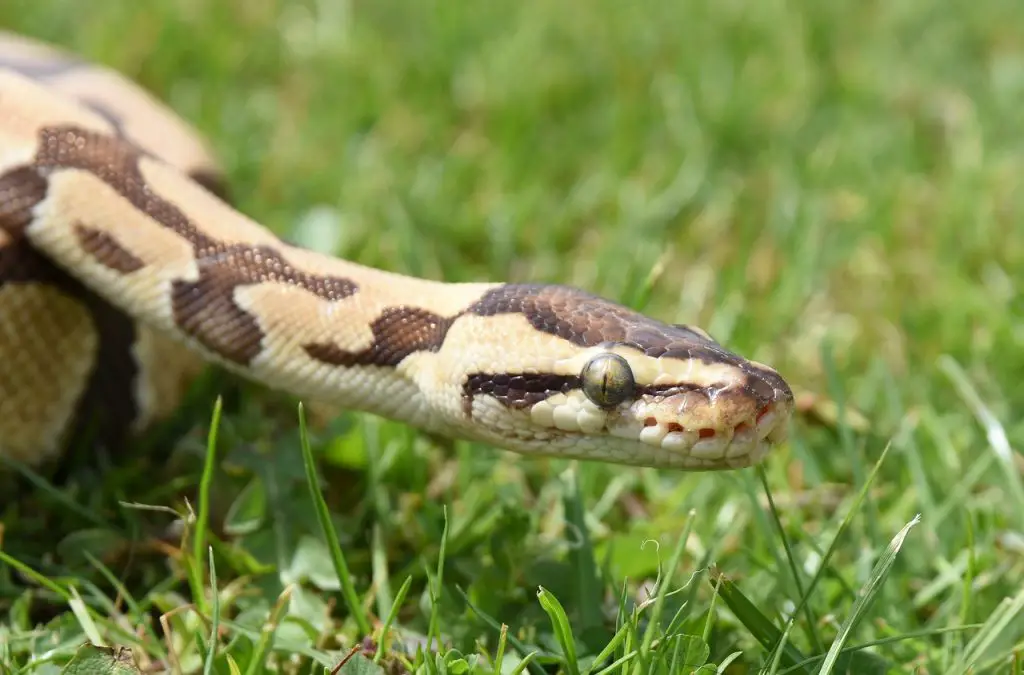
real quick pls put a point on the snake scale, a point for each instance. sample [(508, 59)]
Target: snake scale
[(124, 271)]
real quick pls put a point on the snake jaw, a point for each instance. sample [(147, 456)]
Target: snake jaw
[(732, 425), (706, 409)]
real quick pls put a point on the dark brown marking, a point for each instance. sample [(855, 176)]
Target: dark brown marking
[(588, 320), (397, 333), (106, 251), (765, 385), (21, 189), (516, 390), (204, 308), (214, 183), (21, 264)]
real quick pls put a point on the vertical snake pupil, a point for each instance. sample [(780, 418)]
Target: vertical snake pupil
[(607, 380)]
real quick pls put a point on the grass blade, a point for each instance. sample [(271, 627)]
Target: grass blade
[(790, 557), (392, 614), (215, 621), (581, 556), (867, 595), (995, 433), (563, 631), (323, 515), (1009, 609), (195, 566), (759, 625), (843, 527), (664, 584), (434, 629)]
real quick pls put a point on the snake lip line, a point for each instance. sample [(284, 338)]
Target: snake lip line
[(769, 426)]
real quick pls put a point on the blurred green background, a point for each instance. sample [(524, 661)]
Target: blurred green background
[(831, 188)]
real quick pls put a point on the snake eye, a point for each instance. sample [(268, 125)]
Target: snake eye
[(607, 380)]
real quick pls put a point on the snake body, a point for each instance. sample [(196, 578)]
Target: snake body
[(124, 270)]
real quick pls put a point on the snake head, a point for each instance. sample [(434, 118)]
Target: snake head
[(680, 410), (616, 385)]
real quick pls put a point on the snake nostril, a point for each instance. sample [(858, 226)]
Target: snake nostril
[(675, 426), (706, 433), (650, 422)]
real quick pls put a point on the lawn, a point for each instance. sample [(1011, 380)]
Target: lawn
[(831, 188)]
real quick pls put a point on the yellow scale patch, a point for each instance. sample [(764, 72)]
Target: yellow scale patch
[(46, 368)]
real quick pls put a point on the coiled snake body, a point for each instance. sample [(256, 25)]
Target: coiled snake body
[(123, 270)]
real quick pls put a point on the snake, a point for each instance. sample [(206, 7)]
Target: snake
[(126, 270)]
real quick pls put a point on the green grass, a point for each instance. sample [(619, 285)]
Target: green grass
[(832, 188)]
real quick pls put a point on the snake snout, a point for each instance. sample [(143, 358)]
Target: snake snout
[(731, 425), (766, 385), (773, 399)]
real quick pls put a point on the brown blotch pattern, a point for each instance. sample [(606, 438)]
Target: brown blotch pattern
[(397, 333), (516, 390), (106, 251), (588, 320), (205, 308), (20, 190)]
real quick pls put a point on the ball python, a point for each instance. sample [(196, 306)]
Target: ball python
[(125, 270)]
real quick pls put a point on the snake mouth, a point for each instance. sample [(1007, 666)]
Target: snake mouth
[(730, 430)]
